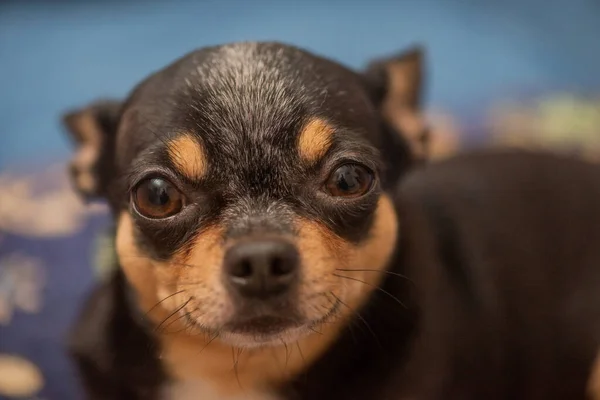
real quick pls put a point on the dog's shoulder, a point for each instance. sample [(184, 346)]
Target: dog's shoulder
[(116, 355)]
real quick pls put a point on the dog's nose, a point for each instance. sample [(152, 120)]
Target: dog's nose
[(262, 268)]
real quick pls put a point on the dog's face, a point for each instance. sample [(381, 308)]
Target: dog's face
[(249, 186)]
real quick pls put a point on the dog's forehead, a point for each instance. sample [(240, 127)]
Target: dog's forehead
[(247, 94)]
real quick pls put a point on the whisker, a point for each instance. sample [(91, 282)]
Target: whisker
[(216, 335), (350, 324), (300, 352), (188, 323), (239, 354), (375, 270), (287, 355), (314, 330), (374, 287), (235, 366), (172, 314), (175, 320), (352, 333), (188, 329), (166, 298), (364, 321), (304, 371)]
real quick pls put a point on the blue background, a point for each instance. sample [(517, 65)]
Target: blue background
[(58, 54)]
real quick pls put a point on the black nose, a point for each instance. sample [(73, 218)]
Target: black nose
[(261, 268)]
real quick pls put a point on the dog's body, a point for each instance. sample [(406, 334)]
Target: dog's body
[(263, 160), (510, 307)]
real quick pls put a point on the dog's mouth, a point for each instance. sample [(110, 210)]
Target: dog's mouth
[(277, 328), (263, 329), (262, 325)]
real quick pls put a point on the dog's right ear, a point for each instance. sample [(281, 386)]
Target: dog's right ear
[(93, 130)]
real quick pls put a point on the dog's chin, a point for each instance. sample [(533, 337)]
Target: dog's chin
[(264, 336), (257, 328), (269, 330)]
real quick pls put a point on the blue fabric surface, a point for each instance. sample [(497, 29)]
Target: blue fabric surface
[(60, 54), (42, 338)]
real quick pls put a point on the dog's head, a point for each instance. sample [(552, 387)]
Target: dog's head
[(249, 182)]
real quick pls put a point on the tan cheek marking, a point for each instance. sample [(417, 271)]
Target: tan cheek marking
[(206, 248), (315, 140), (201, 277), (376, 252), (138, 268), (369, 259), (151, 280), (594, 381), (188, 156), (322, 252), (194, 271)]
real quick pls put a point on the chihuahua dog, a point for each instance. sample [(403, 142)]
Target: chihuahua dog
[(272, 243)]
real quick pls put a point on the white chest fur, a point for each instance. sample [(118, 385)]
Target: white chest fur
[(198, 390)]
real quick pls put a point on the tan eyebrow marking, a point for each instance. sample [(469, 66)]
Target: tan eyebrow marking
[(315, 139), (188, 156)]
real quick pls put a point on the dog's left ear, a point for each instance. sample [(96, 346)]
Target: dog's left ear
[(93, 130), (396, 86)]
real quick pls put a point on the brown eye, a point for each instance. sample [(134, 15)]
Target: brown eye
[(349, 180), (157, 198)]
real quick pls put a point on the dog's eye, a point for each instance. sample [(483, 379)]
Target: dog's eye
[(157, 198), (349, 180)]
